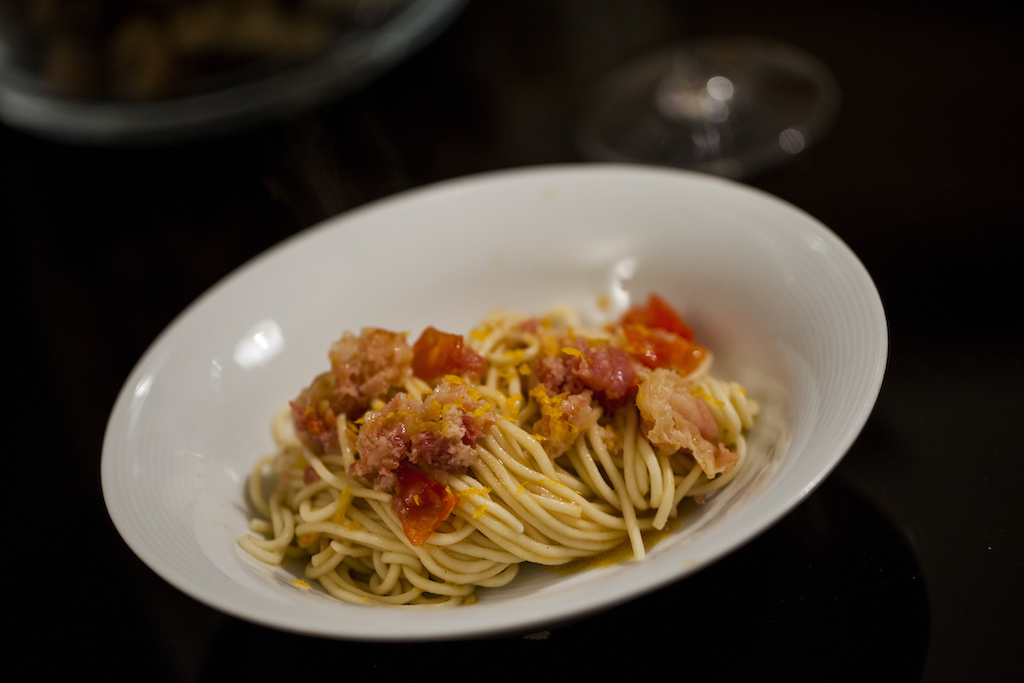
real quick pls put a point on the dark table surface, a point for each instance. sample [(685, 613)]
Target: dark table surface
[(906, 564)]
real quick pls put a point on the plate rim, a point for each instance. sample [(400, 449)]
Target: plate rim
[(471, 629)]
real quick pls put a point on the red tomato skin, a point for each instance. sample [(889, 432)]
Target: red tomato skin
[(658, 348), (421, 503), (438, 353), (658, 314)]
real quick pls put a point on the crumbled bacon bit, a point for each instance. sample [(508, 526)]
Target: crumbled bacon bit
[(563, 417), (368, 366), (440, 431), (674, 419), (363, 368), (604, 369)]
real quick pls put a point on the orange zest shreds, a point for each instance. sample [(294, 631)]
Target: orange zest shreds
[(512, 406), (480, 333), (699, 392), (299, 583), (550, 346), (344, 498), (572, 352), (308, 539), (558, 429), (475, 492), (354, 525), (524, 369), (513, 355), (454, 379), (480, 511)]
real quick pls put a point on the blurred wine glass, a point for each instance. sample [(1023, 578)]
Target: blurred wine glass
[(731, 106)]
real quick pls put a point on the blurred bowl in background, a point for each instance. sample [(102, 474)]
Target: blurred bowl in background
[(153, 71)]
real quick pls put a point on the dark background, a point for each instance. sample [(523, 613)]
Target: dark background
[(905, 565)]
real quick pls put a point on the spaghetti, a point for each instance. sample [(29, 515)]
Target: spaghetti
[(413, 475)]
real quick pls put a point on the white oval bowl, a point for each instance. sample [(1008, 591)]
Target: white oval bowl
[(785, 305)]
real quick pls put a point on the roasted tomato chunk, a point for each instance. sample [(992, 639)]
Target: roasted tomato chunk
[(657, 348), (421, 503), (438, 353), (658, 314), (658, 337)]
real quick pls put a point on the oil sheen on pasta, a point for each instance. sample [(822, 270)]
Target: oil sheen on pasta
[(414, 474)]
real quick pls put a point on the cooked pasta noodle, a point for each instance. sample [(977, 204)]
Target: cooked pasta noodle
[(577, 443)]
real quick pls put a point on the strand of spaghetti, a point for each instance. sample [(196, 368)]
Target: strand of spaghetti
[(580, 456), (431, 562), (370, 520), (427, 586), (628, 511), (576, 494), (248, 544), (256, 485), (526, 506), (650, 460), (654, 470), (442, 538), (342, 589), (362, 566), (386, 579), (632, 471), (565, 484), (510, 572), (633, 530), (326, 553), (281, 427), (493, 554), (514, 348), (272, 551), (547, 500), (472, 502), (446, 559), (308, 514), (315, 571), (717, 397), (492, 329), (340, 482), (527, 474), (684, 485), (338, 464), (282, 520), (531, 444), (355, 535), (263, 527), (593, 436), (668, 493), (524, 547)]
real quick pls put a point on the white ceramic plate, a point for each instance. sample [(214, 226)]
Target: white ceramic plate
[(785, 305)]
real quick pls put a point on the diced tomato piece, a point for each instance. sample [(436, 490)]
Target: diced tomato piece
[(658, 348), (438, 353), (658, 314), (421, 503)]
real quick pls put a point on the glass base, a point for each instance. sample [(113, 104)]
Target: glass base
[(731, 106)]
